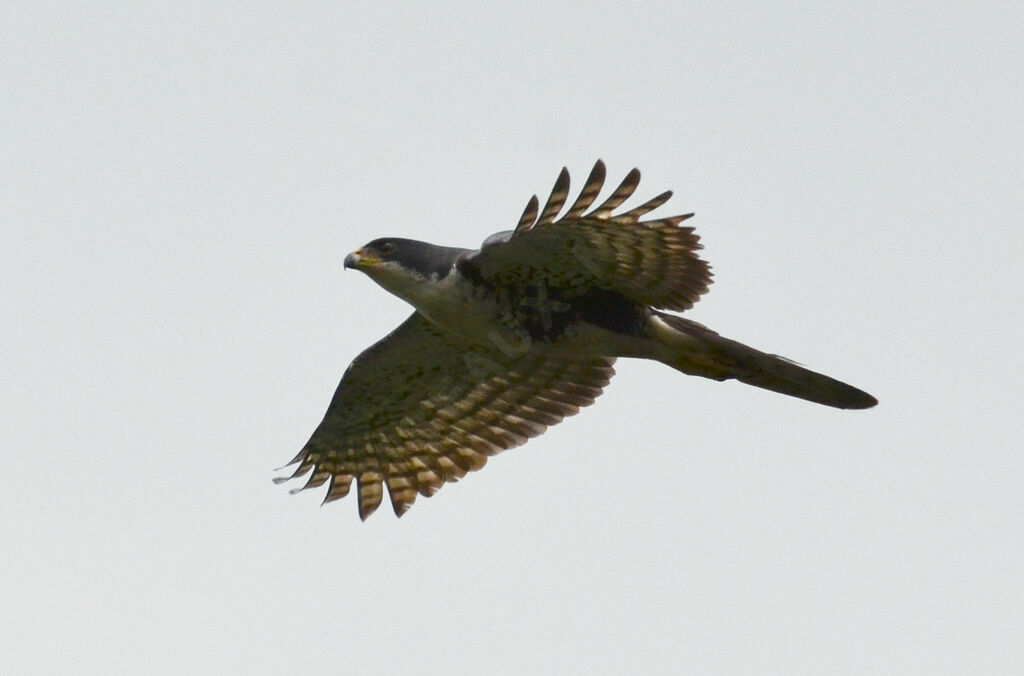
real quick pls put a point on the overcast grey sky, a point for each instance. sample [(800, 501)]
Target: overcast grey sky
[(180, 184)]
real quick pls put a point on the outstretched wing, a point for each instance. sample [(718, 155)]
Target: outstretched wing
[(652, 262), (420, 407)]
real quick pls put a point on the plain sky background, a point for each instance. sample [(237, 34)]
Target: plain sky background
[(179, 185)]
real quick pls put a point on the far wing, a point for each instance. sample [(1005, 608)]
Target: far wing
[(421, 407), (652, 262)]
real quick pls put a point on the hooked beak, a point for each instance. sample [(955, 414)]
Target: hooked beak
[(356, 259)]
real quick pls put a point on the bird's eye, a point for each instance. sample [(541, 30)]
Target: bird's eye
[(387, 248)]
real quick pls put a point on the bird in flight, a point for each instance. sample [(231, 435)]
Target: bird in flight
[(509, 339)]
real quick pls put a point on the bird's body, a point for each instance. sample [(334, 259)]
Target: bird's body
[(511, 338), (512, 319)]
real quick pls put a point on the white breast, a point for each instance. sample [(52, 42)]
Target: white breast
[(454, 304)]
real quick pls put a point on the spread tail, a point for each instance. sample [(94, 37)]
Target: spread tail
[(705, 353)]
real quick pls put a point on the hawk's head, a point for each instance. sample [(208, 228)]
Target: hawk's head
[(403, 266), (403, 256)]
